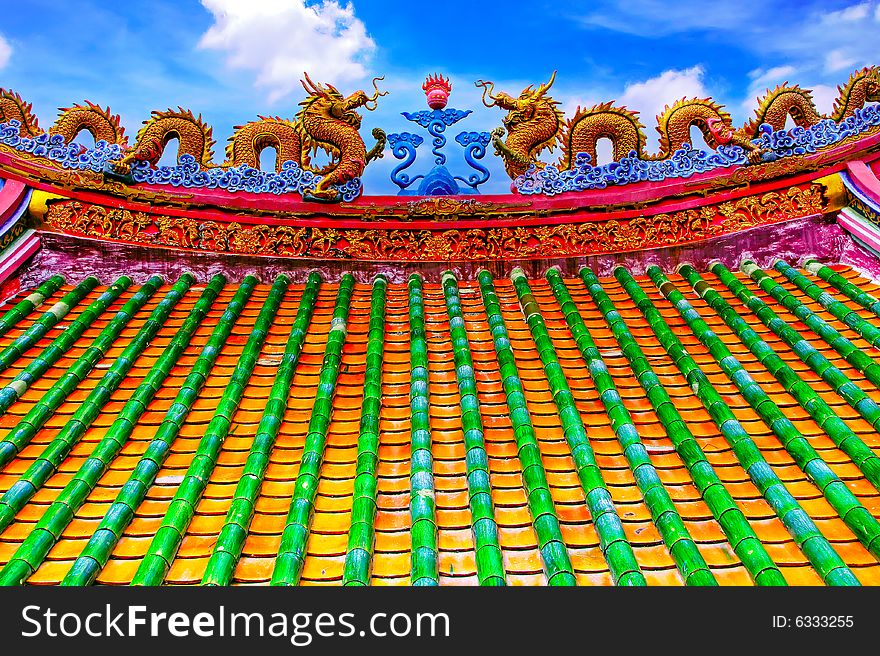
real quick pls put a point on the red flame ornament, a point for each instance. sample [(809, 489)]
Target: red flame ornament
[(437, 89)]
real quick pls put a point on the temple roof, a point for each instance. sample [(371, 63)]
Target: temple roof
[(243, 432), (662, 370)]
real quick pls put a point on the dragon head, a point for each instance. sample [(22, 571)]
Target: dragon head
[(521, 108), (325, 98), (721, 130)]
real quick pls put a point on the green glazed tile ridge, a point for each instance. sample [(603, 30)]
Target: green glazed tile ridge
[(37, 330), (362, 531), (809, 354), (23, 432), (165, 543), (51, 457), (490, 562), (40, 364), (294, 539), (850, 352), (422, 501), (830, 422), (31, 553), (97, 551), (613, 543), (840, 310), (847, 288), (232, 536), (824, 559), (851, 511), (736, 527), (27, 305), (554, 553), (676, 537)]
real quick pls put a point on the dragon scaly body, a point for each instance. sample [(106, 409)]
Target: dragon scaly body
[(13, 108), (623, 128), (94, 119), (249, 140), (194, 136)]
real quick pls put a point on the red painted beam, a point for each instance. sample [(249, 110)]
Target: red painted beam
[(860, 230), (11, 197), (865, 179), (19, 252), (513, 210)]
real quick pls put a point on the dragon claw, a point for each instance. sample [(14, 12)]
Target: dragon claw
[(115, 171), (327, 196)]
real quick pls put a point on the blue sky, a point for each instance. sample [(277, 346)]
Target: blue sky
[(233, 59)]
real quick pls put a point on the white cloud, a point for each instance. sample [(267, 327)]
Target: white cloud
[(815, 42), (279, 39), (5, 52), (652, 96), (820, 51), (824, 96), (832, 41), (656, 18), (647, 97), (762, 79), (836, 60), (817, 52), (850, 14)]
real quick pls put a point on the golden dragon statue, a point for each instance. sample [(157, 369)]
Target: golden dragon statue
[(193, 133), (328, 121), (791, 100), (94, 119), (623, 129), (533, 122), (195, 138)]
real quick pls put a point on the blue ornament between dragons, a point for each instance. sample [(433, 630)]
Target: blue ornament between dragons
[(438, 181)]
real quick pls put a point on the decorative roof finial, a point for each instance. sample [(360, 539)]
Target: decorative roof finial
[(437, 89)]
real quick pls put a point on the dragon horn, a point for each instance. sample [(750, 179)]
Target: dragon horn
[(315, 89), (488, 88), (545, 87)]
